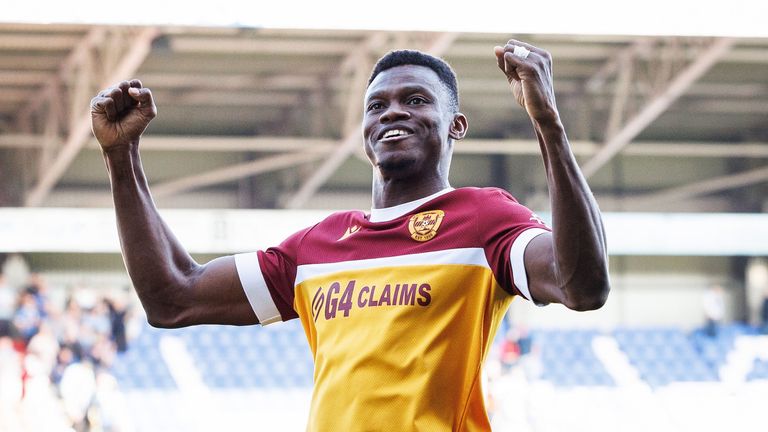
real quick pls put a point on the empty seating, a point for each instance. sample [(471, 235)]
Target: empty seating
[(278, 357), (664, 355), (568, 360)]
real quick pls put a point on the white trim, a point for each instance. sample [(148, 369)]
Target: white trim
[(463, 256), (255, 287), (517, 261), (389, 213)]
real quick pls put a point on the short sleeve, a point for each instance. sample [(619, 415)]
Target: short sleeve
[(268, 279), (506, 228)]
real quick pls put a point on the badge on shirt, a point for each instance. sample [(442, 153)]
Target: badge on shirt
[(423, 226)]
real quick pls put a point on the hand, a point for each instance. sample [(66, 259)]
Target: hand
[(530, 79), (119, 115)]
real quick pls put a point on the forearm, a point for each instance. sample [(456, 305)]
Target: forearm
[(580, 254), (158, 265)]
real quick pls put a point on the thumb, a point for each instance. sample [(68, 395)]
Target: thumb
[(499, 53)]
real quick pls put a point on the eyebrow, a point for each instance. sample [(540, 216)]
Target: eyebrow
[(408, 89)]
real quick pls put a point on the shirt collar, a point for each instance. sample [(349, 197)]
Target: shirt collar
[(389, 213)]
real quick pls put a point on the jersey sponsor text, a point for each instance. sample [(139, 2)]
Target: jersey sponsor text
[(339, 299)]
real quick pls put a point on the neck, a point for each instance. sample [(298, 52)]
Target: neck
[(392, 192)]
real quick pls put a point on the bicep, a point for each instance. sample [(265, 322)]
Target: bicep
[(541, 270), (216, 295)]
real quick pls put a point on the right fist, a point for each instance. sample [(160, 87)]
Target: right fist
[(120, 114)]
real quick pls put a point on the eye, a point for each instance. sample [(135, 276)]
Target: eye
[(374, 106), (416, 100)]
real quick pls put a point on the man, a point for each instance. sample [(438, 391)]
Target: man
[(400, 305), (713, 303), (764, 313)]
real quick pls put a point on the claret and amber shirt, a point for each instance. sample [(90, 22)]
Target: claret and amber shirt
[(399, 306)]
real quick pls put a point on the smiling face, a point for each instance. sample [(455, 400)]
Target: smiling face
[(409, 125)]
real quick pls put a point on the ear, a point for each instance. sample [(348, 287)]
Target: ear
[(458, 127)]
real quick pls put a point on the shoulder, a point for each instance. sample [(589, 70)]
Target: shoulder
[(333, 225), (340, 217), (328, 229), (484, 196), (495, 205)]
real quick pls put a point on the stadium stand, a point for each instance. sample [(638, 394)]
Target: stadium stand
[(664, 355), (568, 359), (226, 357), (278, 357)]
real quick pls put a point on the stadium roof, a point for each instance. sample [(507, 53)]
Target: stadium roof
[(269, 117)]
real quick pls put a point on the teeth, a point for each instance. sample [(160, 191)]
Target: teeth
[(395, 132)]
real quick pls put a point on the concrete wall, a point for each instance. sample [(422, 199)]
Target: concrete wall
[(647, 291)]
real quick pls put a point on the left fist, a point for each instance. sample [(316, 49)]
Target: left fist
[(529, 72)]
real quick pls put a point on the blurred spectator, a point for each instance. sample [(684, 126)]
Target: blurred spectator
[(64, 358), (38, 287), (7, 307), (16, 271), (764, 313), (102, 352), (510, 349), (44, 347), (77, 389), (714, 309), (69, 325), (11, 385), (27, 317), (94, 324), (106, 413), (117, 316), (524, 340), (42, 344)]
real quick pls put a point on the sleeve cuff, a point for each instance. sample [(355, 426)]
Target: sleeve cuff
[(517, 261), (255, 287)]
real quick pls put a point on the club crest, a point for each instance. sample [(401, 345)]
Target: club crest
[(423, 226)]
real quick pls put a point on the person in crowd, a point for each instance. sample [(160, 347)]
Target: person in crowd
[(7, 307), (27, 317), (713, 304), (764, 313)]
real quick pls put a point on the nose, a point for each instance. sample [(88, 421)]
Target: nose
[(393, 113)]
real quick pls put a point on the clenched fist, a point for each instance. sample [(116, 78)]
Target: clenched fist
[(530, 77), (120, 114)]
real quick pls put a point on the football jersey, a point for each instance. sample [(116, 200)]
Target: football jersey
[(400, 307)]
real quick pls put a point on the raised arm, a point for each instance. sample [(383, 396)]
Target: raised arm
[(569, 266), (174, 290)]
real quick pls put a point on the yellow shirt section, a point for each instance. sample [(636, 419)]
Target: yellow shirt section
[(400, 348)]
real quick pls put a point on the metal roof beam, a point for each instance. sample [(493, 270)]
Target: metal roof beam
[(233, 172), (704, 187), (686, 149), (657, 104), (138, 47)]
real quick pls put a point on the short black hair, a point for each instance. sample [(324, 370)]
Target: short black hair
[(412, 57)]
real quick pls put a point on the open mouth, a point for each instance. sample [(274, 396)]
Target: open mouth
[(395, 134)]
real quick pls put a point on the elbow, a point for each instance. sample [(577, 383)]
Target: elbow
[(165, 321), (158, 322), (161, 321), (595, 298), (167, 317), (163, 313)]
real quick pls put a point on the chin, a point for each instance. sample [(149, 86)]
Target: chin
[(396, 168)]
